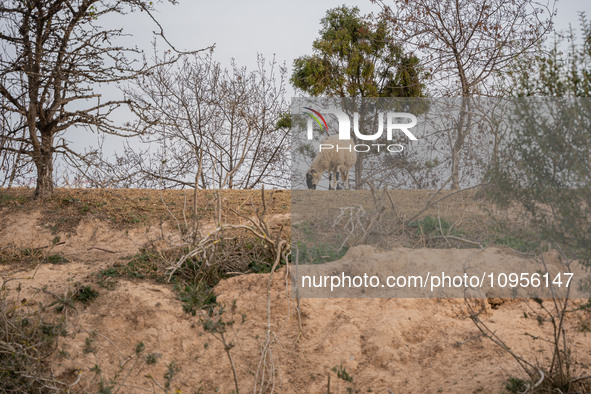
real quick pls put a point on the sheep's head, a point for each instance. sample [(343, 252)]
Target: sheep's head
[(312, 178)]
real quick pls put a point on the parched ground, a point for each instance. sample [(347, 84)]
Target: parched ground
[(316, 345)]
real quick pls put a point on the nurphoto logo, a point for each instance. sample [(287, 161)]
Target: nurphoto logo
[(391, 122)]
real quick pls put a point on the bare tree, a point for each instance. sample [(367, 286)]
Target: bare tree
[(12, 167), (232, 122), (465, 43), (53, 56)]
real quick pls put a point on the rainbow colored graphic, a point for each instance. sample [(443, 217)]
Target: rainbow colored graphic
[(325, 126)]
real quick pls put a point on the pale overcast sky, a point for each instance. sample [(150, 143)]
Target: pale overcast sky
[(241, 29)]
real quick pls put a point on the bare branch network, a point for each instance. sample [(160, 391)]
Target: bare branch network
[(54, 56)]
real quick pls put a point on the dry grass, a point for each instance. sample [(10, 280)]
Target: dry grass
[(395, 219), (125, 208), (27, 340)]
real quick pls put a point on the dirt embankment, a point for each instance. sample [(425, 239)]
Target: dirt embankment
[(386, 345)]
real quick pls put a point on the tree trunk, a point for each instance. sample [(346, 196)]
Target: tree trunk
[(463, 128), (359, 171), (455, 164), (44, 164)]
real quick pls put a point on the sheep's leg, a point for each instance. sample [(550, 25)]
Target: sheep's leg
[(333, 184), (346, 178), (339, 173), (337, 183)]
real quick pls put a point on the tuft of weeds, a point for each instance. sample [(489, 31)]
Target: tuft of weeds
[(516, 385), (132, 218), (66, 302), (20, 256), (260, 267), (342, 373), (320, 253), (8, 199), (194, 279), (221, 324), (431, 226), (144, 265), (27, 339), (105, 281), (63, 304), (139, 348), (195, 297), (85, 294), (89, 344), (61, 225), (584, 325), (56, 259), (171, 370), (69, 200), (517, 243), (152, 358)]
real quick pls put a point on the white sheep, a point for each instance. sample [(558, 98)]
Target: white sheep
[(334, 160)]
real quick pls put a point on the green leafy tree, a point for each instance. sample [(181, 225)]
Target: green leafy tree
[(563, 70), (543, 168), (545, 161), (357, 56)]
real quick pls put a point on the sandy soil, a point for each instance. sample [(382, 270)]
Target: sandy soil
[(385, 345)]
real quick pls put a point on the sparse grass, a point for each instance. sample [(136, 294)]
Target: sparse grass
[(319, 253), (195, 297), (221, 324), (171, 370), (56, 259), (126, 208), (85, 294), (22, 257), (27, 339), (65, 302), (432, 226), (144, 265), (305, 228), (89, 344), (139, 348), (343, 375), (194, 281), (152, 358), (584, 325), (132, 218), (7, 199), (516, 385), (61, 224), (514, 242), (105, 278)]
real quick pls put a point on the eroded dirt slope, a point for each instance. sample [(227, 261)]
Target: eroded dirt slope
[(401, 345)]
